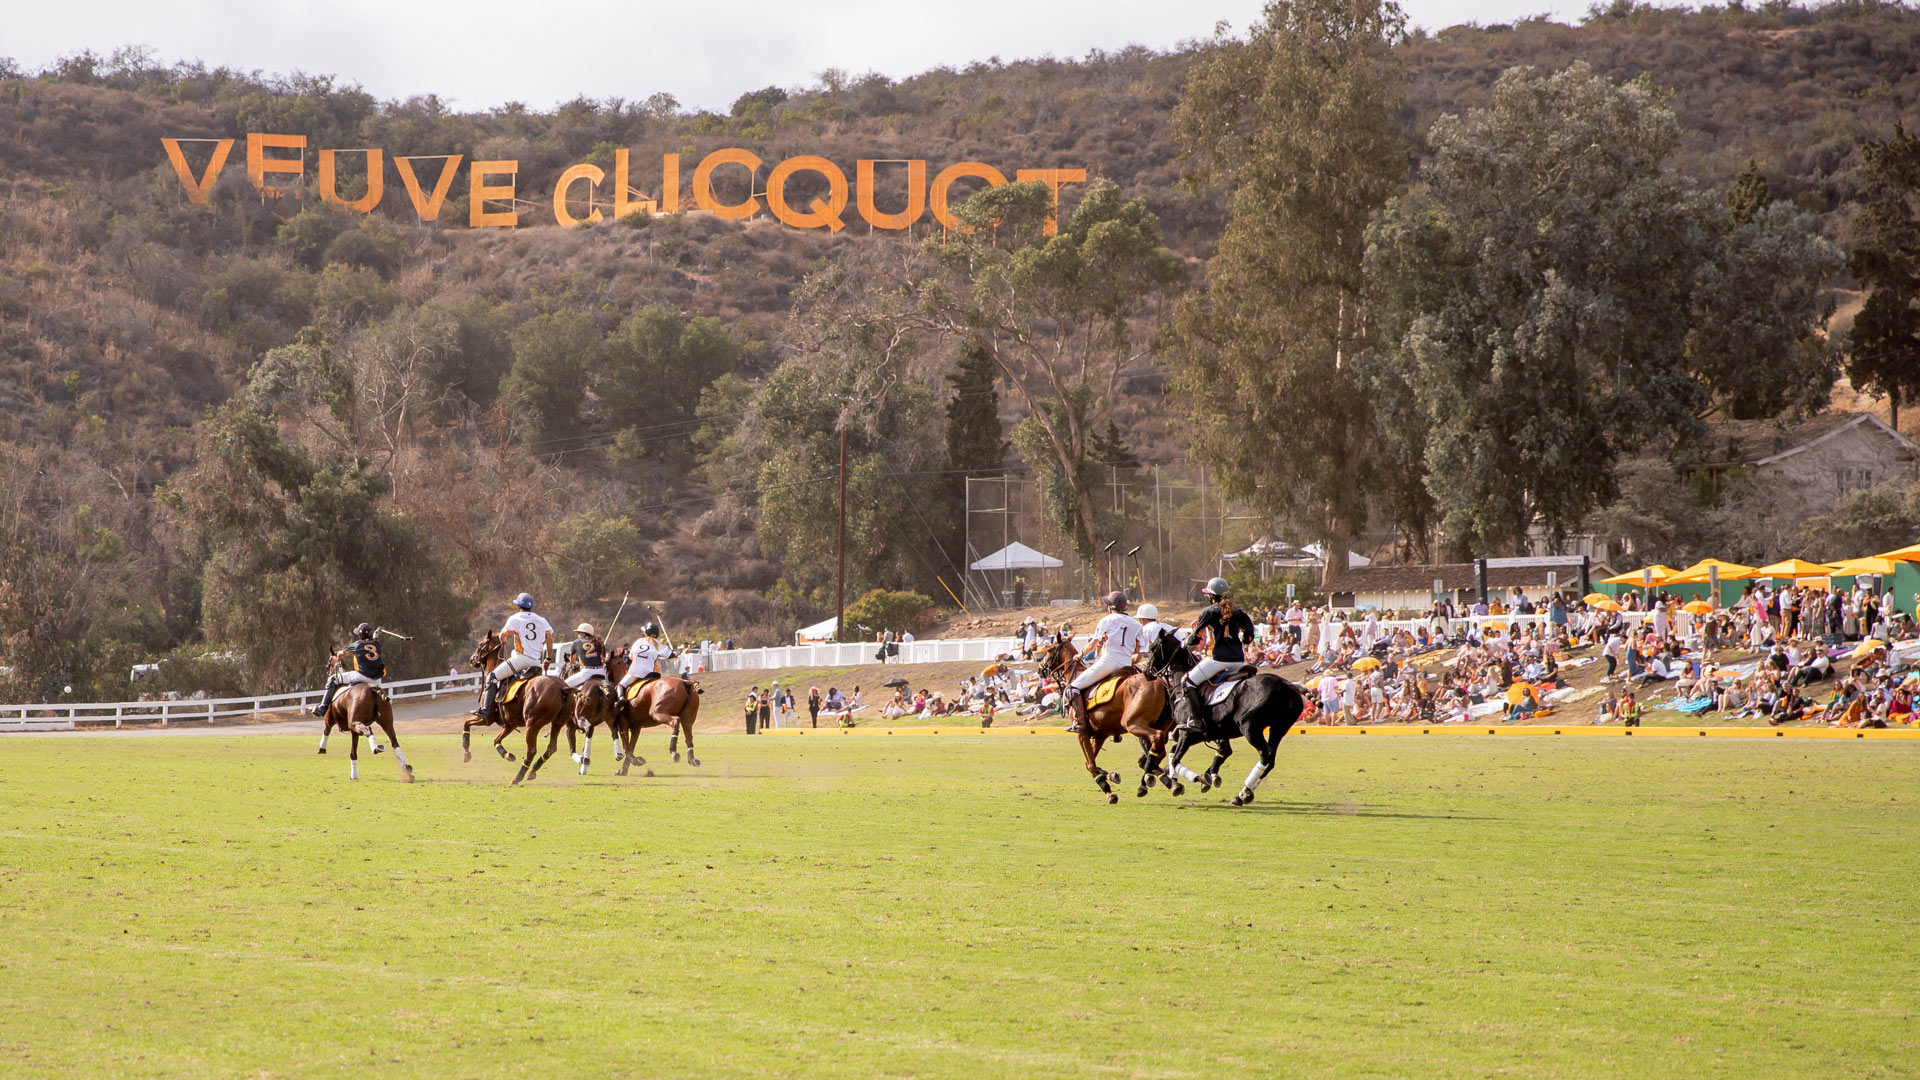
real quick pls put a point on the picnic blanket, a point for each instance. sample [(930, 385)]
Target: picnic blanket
[(1690, 706)]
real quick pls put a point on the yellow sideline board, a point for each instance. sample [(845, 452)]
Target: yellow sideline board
[(1452, 729)]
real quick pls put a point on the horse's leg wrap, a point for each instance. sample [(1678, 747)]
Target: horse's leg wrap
[(466, 739), (586, 755), (1186, 774), (1254, 777)]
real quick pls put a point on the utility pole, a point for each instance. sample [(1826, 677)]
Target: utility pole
[(840, 588)]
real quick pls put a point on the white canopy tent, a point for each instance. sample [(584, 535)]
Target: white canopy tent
[(820, 631), (1017, 556)]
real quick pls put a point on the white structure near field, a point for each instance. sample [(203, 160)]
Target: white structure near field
[(1819, 458)]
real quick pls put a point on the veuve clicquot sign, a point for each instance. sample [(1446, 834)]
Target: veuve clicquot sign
[(277, 164)]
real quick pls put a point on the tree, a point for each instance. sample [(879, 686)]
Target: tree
[(785, 456), (298, 549), (1748, 194), (1056, 312), (1878, 518), (1554, 298), (1300, 123), (654, 367), (551, 357), (976, 443), (1885, 259), (593, 554)]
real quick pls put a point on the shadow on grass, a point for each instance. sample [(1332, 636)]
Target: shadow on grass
[(1308, 809)]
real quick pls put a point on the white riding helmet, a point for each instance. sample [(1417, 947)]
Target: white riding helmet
[(585, 628), (1147, 611)]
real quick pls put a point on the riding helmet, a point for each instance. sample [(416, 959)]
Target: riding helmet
[(585, 628), (1148, 611), (1117, 600), (363, 631), (652, 629), (524, 601), (1216, 588)]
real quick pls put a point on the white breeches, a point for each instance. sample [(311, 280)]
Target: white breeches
[(579, 678), (515, 664), (348, 678), (1207, 669), (633, 677), (1091, 677)]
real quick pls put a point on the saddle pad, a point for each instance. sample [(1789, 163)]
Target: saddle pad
[(513, 689), (633, 692), (1103, 693), (1225, 690)]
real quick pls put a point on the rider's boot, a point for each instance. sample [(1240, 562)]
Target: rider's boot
[(326, 699), (1196, 705), (485, 711), (1077, 710)]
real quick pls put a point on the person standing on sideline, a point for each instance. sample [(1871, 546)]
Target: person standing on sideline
[(766, 710), (813, 705)]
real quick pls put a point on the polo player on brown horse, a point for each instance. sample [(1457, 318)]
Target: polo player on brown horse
[(654, 700), (354, 703), (1138, 706), (541, 702)]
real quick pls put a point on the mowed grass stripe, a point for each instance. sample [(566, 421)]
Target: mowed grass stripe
[(220, 907)]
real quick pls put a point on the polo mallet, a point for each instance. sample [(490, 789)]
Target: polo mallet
[(391, 634), (608, 636)]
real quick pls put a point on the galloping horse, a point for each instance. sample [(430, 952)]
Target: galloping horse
[(1138, 706), (669, 701), (356, 710), (542, 703), (1261, 712), (595, 703)]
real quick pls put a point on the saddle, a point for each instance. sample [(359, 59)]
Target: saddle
[(1104, 690), (633, 692), (512, 689), (1222, 686)]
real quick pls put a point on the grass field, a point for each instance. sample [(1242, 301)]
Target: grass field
[(930, 907)]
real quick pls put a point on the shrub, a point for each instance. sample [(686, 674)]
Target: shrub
[(884, 609)]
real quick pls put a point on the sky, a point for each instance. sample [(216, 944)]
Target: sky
[(482, 53)]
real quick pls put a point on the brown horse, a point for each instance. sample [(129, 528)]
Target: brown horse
[(544, 702), (669, 701), (1138, 707), (596, 702), (356, 710)]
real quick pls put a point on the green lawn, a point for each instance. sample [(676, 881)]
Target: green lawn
[(961, 906)]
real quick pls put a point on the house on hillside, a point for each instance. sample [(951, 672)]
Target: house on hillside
[(1821, 457), (1411, 587)]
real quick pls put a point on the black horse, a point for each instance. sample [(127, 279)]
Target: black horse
[(1262, 712)]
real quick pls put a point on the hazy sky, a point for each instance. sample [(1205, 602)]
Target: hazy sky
[(481, 53)]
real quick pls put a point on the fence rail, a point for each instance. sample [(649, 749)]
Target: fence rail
[(203, 710)]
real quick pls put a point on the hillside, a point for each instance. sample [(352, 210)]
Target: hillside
[(127, 311)]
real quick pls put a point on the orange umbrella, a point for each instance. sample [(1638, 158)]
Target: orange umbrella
[(1607, 605), (1697, 607), (1697, 573), (1633, 577), (1870, 565), (1366, 663), (1794, 568), (1595, 598)]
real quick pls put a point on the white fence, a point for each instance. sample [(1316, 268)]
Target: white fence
[(938, 651), (207, 710)]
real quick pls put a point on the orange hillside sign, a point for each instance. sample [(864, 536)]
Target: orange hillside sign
[(277, 165)]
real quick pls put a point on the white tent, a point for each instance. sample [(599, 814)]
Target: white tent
[(1017, 556), (820, 631), (1355, 560)]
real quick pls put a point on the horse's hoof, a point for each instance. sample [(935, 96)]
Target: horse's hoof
[(1179, 789), (1213, 780), (378, 749), (693, 761), (638, 760), (578, 760), (1147, 780), (649, 772), (676, 755), (409, 769), (322, 750), (466, 755), (617, 755), (510, 757), (1112, 798)]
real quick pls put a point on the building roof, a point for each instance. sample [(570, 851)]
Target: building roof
[(1419, 577), (1763, 442)]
